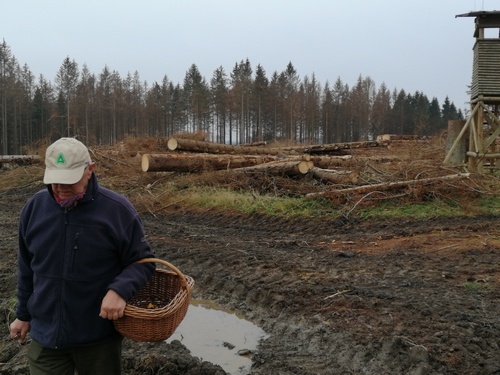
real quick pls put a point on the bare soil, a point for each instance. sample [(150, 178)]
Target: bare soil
[(336, 297)]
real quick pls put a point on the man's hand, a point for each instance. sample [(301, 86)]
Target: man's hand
[(112, 306), (19, 329)]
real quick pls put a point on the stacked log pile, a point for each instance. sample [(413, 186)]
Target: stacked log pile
[(331, 163), (192, 156)]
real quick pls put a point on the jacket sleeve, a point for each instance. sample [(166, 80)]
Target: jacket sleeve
[(134, 275), (24, 277)]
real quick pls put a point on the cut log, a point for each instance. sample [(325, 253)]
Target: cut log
[(378, 159), (337, 148), (286, 168), (176, 162), (399, 137), (335, 176), (389, 185), (326, 162), (180, 144), (198, 162), (331, 149), (255, 144), (19, 159)]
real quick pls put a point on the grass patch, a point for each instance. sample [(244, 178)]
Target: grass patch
[(476, 287), (8, 306), (194, 195), (490, 203), (250, 202)]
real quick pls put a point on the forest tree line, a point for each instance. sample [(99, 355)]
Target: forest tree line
[(237, 107)]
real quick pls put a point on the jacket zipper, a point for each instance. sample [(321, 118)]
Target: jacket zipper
[(74, 253), (61, 278)]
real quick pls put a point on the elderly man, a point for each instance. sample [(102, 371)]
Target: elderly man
[(78, 244)]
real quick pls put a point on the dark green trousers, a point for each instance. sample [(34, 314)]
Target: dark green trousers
[(102, 359)]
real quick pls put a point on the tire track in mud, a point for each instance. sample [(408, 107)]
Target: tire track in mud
[(395, 316)]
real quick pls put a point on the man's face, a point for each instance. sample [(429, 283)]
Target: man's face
[(66, 191)]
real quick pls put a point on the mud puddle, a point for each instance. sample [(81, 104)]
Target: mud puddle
[(214, 334)]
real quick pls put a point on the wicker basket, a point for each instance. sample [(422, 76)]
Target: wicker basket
[(156, 310)]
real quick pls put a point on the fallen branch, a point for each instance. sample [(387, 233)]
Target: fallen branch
[(390, 185), (338, 293)]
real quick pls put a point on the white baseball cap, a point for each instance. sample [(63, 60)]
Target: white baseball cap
[(65, 161)]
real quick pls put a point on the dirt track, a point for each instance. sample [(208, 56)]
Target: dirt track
[(336, 297)]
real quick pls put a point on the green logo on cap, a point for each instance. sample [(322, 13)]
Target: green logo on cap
[(60, 159)]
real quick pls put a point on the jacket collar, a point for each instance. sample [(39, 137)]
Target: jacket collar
[(91, 192)]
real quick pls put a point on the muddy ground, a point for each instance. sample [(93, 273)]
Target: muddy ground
[(342, 297)]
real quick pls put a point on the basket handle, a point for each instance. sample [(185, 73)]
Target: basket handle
[(169, 265)]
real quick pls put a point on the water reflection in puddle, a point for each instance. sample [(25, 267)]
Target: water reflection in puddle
[(218, 336)]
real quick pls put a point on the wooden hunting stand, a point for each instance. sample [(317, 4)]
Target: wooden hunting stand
[(483, 123)]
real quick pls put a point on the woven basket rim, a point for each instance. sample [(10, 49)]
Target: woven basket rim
[(166, 264), (170, 308)]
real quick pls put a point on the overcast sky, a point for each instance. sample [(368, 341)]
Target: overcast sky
[(415, 45)]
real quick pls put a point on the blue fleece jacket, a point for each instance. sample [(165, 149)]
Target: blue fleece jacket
[(70, 258)]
